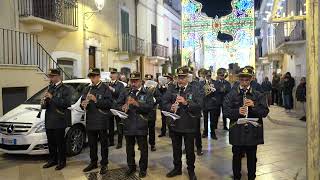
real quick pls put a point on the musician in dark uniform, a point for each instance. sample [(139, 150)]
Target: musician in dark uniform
[(56, 101), (163, 89), (223, 87), (116, 88), (137, 103), (210, 105), (195, 81), (185, 101), (244, 136), (96, 100), (153, 114)]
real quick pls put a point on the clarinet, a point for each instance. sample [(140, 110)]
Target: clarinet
[(244, 99), (85, 110)]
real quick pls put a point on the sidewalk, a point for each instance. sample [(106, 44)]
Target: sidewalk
[(278, 115)]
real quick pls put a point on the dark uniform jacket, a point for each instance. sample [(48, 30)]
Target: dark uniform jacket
[(137, 122), (56, 108), (98, 114), (245, 134), (119, 87), (189, 113), (162, 91)]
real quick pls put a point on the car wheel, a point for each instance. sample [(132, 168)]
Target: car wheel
[(75, 140)]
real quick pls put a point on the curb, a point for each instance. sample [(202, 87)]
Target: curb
[(275, 121)]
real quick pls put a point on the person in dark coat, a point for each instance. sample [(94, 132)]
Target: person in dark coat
[(163, 89), (223, 88), (210, 105), (288, 86), (244, 135), (97, 101), (275, 87), (185, 101), (267, 89), (137, 103), (301, 93), (56, 101), (153, 114), (116, 87)]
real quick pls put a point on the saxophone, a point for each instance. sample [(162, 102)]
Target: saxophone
[(209, 88)]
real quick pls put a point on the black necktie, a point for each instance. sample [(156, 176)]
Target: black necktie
[(181, 91)]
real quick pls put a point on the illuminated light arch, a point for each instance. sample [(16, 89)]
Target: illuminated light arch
[(239, 23)]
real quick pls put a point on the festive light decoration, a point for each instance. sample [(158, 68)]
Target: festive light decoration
[(200, 31)]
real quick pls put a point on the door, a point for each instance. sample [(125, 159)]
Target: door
[(92, 57), (67, 66), (153, 38), (13, 97)]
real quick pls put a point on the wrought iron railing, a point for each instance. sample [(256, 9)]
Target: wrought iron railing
[(159, 50), (286, 32), (132, 44), (20, 48), (61, 11)]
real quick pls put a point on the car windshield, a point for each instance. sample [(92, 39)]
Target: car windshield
[(76, 90)]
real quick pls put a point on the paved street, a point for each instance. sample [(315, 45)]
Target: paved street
[(282, 157)]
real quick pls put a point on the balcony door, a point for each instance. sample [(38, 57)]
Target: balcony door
[(153, 39), (125, 30), (92, 57)]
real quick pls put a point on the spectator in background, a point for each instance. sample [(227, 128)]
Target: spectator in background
[(288, 86), (301, 96), (275, 87), (280, 91), (267, 89)]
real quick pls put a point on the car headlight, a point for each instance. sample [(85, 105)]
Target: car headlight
[(40, 128)]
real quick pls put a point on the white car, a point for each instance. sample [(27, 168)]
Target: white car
[(22, 132)]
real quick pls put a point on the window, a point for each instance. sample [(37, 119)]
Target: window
[(67, 66)]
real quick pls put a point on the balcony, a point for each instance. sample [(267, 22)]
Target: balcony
[(157, 53), (129, 44), (58, 15), (173, 8), (290, 33)]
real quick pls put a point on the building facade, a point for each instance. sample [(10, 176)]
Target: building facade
[(76, 35)]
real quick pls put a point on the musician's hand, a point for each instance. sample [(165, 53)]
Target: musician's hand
[(112, 89), (181, 100), (133, 102), (84, 104), (124, 108), (243, 111), (92, 97), (174, 108), (48, 95), (249, 103)]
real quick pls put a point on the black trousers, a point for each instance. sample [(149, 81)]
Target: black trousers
[(214, 117), (177, 149), (164, 124), (57, 145), (223, 118), (119, 129), (198, 139), (143, 146), (152, 127), (275, 96), (93, 136), (251, 154)]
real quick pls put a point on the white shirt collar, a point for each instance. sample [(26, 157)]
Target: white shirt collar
[(243, 87), (57, 84)]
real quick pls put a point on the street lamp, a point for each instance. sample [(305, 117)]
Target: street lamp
[(99, 4)]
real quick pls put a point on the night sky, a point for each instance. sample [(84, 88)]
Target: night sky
[(220, 7)]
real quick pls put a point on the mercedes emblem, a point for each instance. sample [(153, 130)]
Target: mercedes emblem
[(10, 129)]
